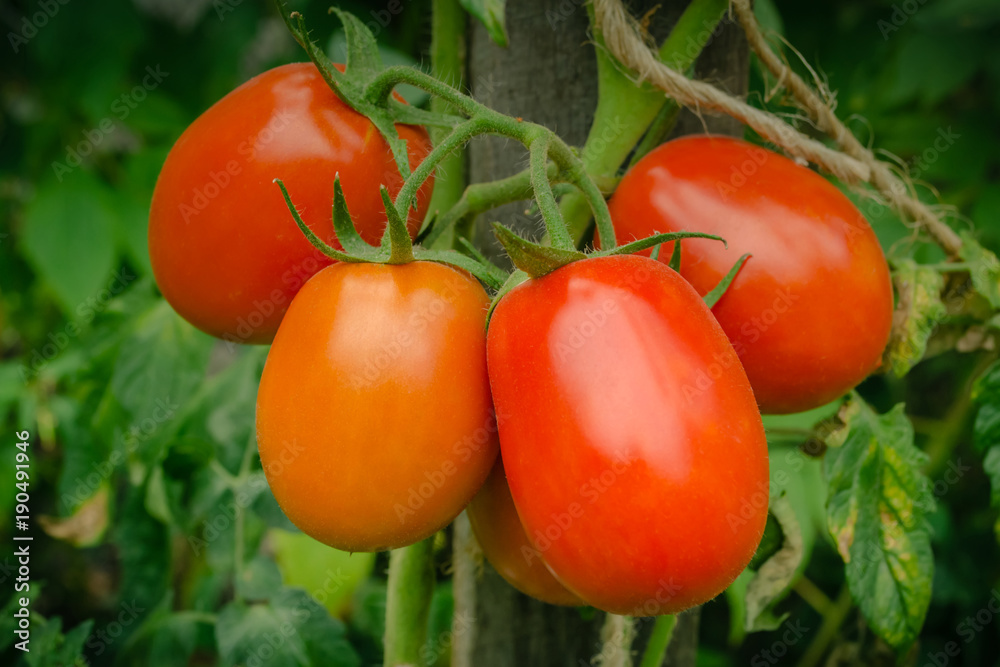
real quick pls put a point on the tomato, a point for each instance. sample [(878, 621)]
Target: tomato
[(224, 248), (374, 420), (632, 443), (810, 312), (500, 533)]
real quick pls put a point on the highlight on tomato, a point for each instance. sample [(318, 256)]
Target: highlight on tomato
[(810, 312), (631, 439), (374, 420), (224, 249)]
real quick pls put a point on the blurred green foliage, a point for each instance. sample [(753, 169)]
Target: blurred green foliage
[(142, 458)]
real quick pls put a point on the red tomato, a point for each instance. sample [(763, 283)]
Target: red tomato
[(225, 250), (374, 420), (500, 533), (810, 312), (632, 443)]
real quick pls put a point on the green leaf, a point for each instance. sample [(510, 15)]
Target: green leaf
[(144, 550), (675, 257), (165, 638), (984, 269), (775, 575), (292, 630), (51, 648), (491, 13), (68, 237), (876, 513), (534, 259), (719, 290), (919, 309), (159, 367), (986, 430), (991, 465), (259, 580)]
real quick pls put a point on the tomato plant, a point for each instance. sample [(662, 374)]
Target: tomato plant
[(224, 249), (374, 419), (600, 371), (500, 534), (810, 312)]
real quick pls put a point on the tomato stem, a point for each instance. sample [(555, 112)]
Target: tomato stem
[(448, 20), (411, 584), (656, 649), (554, 224), (626, 111)]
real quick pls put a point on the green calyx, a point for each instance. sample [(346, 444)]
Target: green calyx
[(395, 248)]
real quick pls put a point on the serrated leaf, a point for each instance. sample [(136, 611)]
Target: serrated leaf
[(918, 310), (49, 647), (491, 13), (292, 629), (166, 639), (775, 575), (876, 513), (159, 366), (984, 268), (68, 237)]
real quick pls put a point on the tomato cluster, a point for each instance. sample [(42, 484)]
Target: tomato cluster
[(633, 469)]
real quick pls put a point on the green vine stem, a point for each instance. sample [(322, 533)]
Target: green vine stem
[(656, 649), (483, 120), (625, 111), (411, 583), (448, 20), (554, 224)]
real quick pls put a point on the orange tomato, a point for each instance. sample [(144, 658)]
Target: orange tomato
[(500, 533), (374, 419)]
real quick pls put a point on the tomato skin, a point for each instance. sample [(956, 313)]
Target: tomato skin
[(641, 479), (810, 312), (374, 420), (225, 250), (499, 531)]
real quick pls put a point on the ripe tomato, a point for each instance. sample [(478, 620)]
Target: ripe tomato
[(633, 446), (374, 420), (500, 533), (810, 312), (225, 250)]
